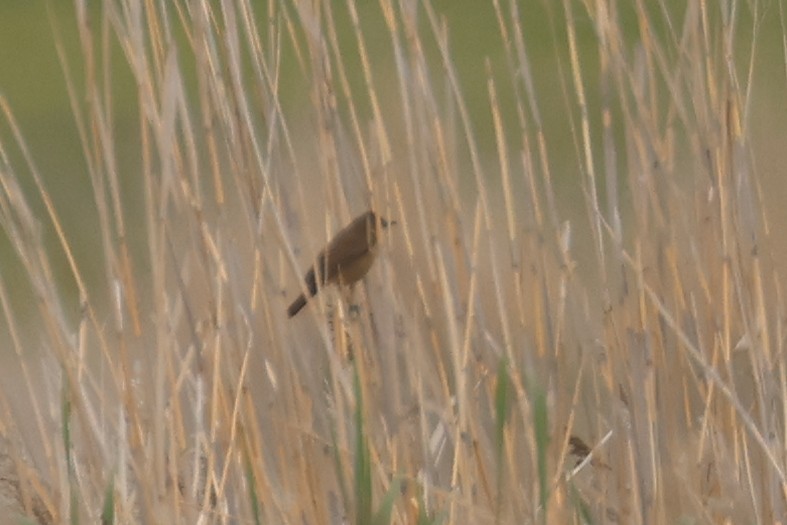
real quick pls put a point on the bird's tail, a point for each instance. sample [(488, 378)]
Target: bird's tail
[(296, 306)]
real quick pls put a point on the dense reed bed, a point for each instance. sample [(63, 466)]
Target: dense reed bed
[(577, 318)]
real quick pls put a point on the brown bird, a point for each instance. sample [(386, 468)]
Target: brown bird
[(346, 259)]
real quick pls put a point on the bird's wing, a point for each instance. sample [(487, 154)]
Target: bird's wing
[(349, 245)]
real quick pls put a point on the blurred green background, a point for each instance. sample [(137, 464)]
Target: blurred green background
[(33, 83)]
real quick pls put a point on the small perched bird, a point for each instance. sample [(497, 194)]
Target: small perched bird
[(346, 259)]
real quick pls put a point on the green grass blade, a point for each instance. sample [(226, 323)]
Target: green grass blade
[(65, 413), (582, 508), (108, 510), (363, 468), (383, 514), (251, 483), (502, 403), (541, 429)]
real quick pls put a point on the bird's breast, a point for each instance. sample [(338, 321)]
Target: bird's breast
[(353, 271)]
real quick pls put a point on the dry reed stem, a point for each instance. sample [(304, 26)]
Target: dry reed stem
[(501, 327)]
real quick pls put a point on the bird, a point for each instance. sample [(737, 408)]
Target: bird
[(346, 259)]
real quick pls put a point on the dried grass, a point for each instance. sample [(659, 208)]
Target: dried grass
[(516, 358)]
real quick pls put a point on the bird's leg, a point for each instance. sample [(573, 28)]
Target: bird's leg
[(353, 308), (342, 336)]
